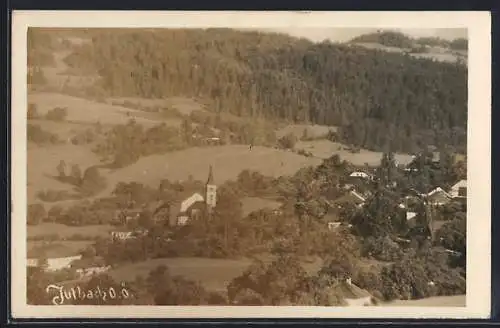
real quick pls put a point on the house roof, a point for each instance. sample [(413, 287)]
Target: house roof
[(461, 183), (188, 202), (357, 195), (438, 190), (410, 215), (359, 174), (351, 196)]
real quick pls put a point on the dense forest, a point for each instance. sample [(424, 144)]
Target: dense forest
[(380, 100)]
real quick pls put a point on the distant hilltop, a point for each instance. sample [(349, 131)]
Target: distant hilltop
[(423, 47)]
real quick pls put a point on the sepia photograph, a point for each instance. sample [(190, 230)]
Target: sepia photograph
[(215, 163)]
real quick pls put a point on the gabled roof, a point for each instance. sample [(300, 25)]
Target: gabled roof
[(352, 196), (436, 190), (461, 183), (359, 174), (357, 195), (188, 202)]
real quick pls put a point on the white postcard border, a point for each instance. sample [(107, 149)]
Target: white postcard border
[(479, 156)]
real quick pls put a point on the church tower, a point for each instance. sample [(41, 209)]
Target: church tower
[(210, 191)]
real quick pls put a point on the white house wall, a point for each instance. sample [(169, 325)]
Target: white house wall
[(61, 263)]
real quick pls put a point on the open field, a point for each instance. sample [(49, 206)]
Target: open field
[(42, 162), (183, 105), (251, 204), (447, 301), (324, 149), (214, 274), (64, 231), (64, 130), (82, 110), (57, 248), (227, 161)]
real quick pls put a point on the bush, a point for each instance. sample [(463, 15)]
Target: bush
[(288, 141), (383, 249), (84, 137), (32, 111), (55, 195), (54, 212), (92, 181), (304, 153), (37, 77), (37, 135), (57, 114), (36, 213)]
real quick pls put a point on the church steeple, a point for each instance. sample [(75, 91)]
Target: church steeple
[(210, 190), (210, 180)]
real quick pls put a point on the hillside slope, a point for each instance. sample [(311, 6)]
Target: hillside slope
[(378, 99)]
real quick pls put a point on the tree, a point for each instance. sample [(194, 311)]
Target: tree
[(145, 219), (174, 290), (76, 174), (61, 169), (387, 170), (279, 283), (227, 212), (187, 130), (288, 141), (378, 216), (32, 111), (36, 283), (92, 181), (57, 114), (452, 235)]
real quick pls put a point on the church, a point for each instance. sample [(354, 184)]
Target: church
[(192, 206)]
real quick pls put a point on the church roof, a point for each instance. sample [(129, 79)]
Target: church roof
[(188, 202)]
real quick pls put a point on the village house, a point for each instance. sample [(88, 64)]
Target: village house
[(459, 189), (351, 294), (52, 259), (361, 175), (333, 225), (438, 197), (435, 160), (87, 267), (121, 235)]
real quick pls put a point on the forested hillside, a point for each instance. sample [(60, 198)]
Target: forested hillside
[(379, 99)]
